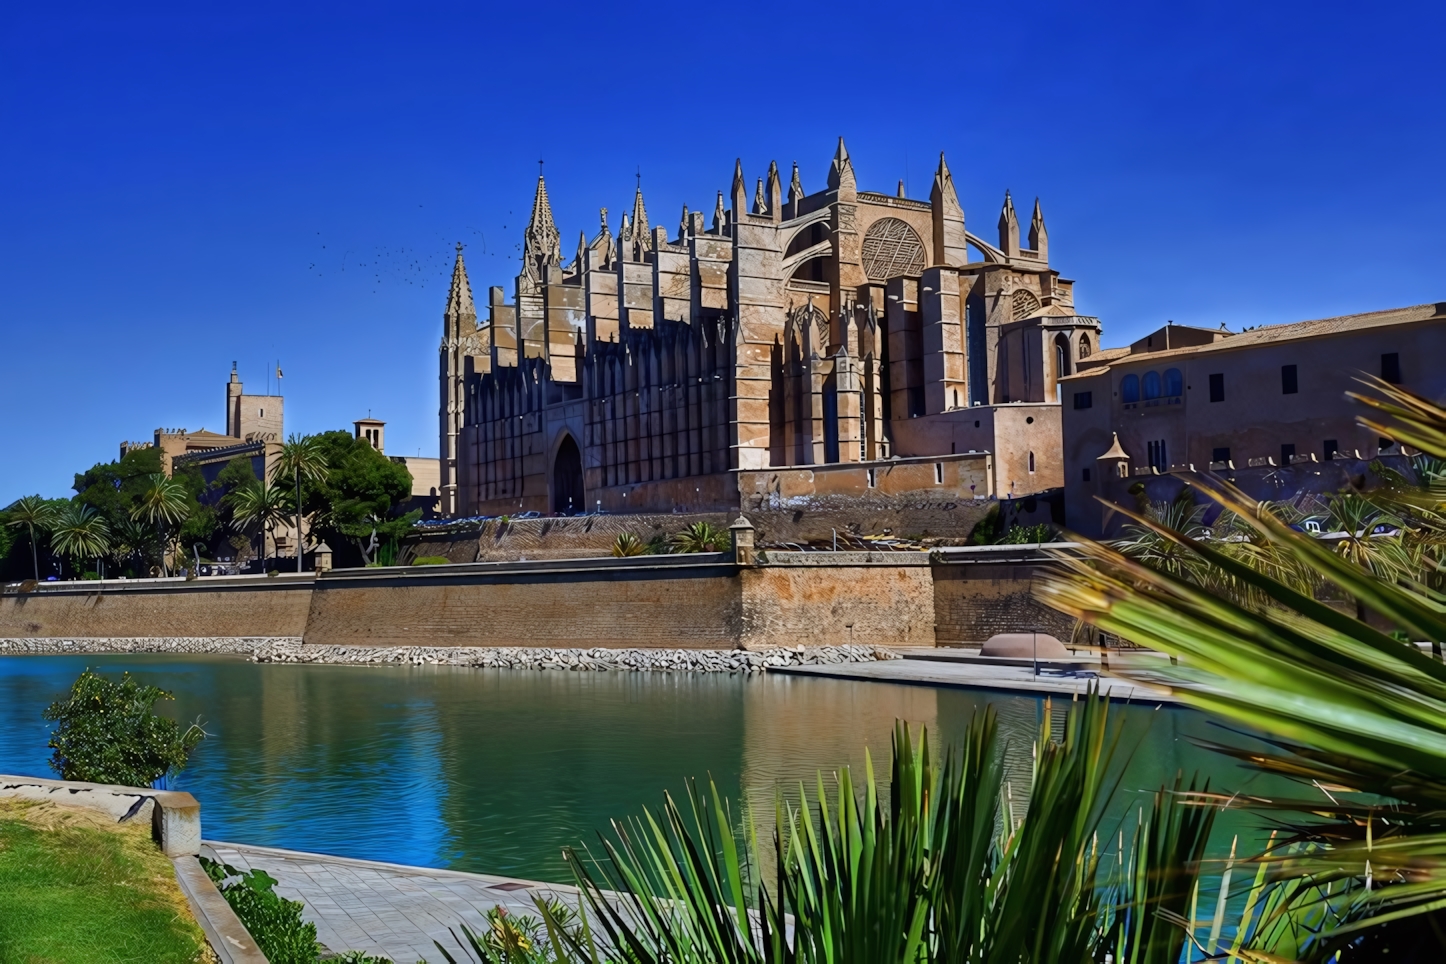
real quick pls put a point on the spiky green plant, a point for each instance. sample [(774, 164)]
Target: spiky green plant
[(627, 544), (701, 537), (163, 504), (260, 504), (939, 870), (1356, 712)]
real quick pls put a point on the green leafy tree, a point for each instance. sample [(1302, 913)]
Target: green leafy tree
[(302, 456), (163, 503), (33, 513), (360, 498), (109, 732), (79, 533), (114, 488), (132, 544)]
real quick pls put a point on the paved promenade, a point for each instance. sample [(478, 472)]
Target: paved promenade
[(939, 668), (387, 909)]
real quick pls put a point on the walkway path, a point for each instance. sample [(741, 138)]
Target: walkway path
[(930, 668), (387, 909)]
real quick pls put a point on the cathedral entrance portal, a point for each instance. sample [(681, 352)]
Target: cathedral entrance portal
[(567, 496)]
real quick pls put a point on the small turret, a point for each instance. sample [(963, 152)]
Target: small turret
[(739, 194), (720, 215), (760, 206), (1038, 236), (541, 243), (774, 192), (841, 173), (795, 192), (1009, 228), (950, 246)]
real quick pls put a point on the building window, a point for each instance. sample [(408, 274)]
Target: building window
[(1391, 368), (1086, 475), (956, 398), (1031, 462), (1329, 448), (938, 473), (1130, 389), (1156, 453), (1217, 387), (1084, 352), (1083, 399), (1220, 455), (1287, 453), (1152, 384), (1288, 383), (1174, 383), (873, 478)]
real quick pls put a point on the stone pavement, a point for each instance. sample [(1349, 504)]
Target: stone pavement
[(387, 909), (933, 671)]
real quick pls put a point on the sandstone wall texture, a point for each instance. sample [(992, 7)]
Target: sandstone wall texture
[(700, 602), (887, 605), (615, 604), (974, 602), (255, 608)]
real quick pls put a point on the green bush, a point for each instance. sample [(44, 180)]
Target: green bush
[(273, 921), (108, 732), (431, 561)]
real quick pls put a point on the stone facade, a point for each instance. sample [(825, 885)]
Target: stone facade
[(842, 328), (1265, 408)]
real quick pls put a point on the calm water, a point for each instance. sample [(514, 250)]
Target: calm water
[(495, 770)]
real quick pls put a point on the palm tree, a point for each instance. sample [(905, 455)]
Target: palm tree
[(79, 532), (163, 503), (627, 544), (31, 511), (301, 457), (261, 504), (129, 538), (1354, 712)]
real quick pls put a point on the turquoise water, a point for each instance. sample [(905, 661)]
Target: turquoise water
[(497, 770)]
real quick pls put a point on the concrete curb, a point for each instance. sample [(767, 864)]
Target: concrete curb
[(229, 938)]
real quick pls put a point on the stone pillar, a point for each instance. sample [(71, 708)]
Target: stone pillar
[(943, 340)]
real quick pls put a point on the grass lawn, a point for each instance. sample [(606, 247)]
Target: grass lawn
[(75, 888)]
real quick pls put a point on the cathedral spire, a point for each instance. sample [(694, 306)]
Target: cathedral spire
[(774, 193), (841, 173), (720, 216), (461, 314), (950, 246), (760, 206), (795, 189), (1038, 236), (739, 194), (1009, 228), (542, 242), (637, 237)]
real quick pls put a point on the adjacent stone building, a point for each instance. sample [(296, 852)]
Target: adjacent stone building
[(1265, 408), (839, 343)]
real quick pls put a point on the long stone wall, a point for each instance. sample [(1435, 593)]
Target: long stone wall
[(238, 606), (685, 602)]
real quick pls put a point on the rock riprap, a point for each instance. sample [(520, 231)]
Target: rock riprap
[(293, 650)]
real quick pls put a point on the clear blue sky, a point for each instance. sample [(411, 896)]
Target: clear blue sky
[(185, 186)]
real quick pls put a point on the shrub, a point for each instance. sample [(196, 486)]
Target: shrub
[(431, 561), (273, 921), (108, 732)]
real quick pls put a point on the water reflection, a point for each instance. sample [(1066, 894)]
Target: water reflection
[(495, 771)]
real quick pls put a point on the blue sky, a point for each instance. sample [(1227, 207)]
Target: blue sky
[(185, 186)]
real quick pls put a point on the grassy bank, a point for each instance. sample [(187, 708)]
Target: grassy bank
[(76, 888)]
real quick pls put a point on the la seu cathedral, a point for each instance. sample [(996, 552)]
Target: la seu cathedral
[(784, 347)]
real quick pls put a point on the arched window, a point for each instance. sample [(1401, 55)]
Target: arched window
[(1152, 384), (1084, 346), (1174, 383), (1130, 388)]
